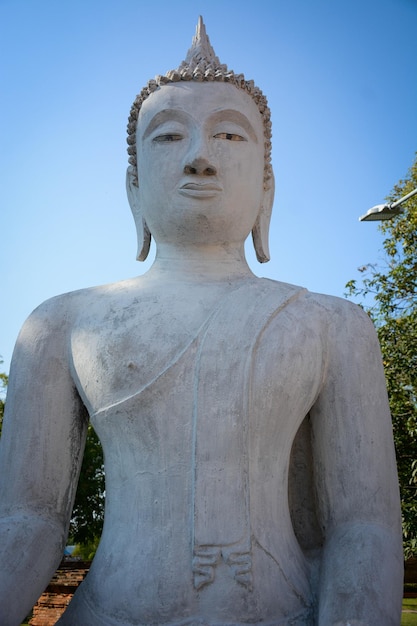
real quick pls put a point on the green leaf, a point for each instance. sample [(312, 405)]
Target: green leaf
[(388, 292)]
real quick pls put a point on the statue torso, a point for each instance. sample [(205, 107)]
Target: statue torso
[(207, 537)]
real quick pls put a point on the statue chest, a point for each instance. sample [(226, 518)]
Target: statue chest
[(120, 353), (120, 349), (148, 369)]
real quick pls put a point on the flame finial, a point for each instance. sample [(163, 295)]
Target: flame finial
[(201, 50)]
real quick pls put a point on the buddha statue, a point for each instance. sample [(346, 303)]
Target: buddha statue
[(249, 458)]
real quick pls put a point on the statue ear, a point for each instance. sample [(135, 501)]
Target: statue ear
[(143, 232), (260, 230)]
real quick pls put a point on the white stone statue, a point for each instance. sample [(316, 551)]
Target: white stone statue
[(250, 467)]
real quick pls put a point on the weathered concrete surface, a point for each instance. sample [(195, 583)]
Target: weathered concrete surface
[(250, 468)]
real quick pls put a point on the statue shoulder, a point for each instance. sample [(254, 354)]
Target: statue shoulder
[(66, 310), (341, 313), (332, 318), (347, 331), (48, 328), (62, 310), (324, 304)]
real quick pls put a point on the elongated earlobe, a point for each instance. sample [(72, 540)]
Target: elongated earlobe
[(142, 230), (144, 240), (260, 230)]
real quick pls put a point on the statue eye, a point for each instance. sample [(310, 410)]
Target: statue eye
[(167, 137), (229, 137)]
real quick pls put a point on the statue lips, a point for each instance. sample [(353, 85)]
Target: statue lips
[(200, 189)]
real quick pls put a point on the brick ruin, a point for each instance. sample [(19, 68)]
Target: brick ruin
[(59, 592)]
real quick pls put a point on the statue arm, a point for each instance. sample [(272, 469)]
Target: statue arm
[(356, 480), (40, 457)]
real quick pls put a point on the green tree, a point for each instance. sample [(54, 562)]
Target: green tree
[(388, 292), (88, 512)]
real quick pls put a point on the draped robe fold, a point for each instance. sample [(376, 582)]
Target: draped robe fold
[(215, 367)]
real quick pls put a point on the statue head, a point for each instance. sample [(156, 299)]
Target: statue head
[(202, 66)]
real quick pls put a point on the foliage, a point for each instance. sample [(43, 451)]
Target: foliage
[(86, 551), (388, 293), (88, 512)]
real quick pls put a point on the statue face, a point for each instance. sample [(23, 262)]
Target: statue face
[(200, 150)]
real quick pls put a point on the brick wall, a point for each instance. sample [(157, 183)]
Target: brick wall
[(59, 592)]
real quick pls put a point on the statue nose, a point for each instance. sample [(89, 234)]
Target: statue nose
[(200, 167)]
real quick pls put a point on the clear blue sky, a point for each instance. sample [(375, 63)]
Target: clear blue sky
[(341, 80)]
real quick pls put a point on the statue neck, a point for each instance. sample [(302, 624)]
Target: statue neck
[(200, 264)]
